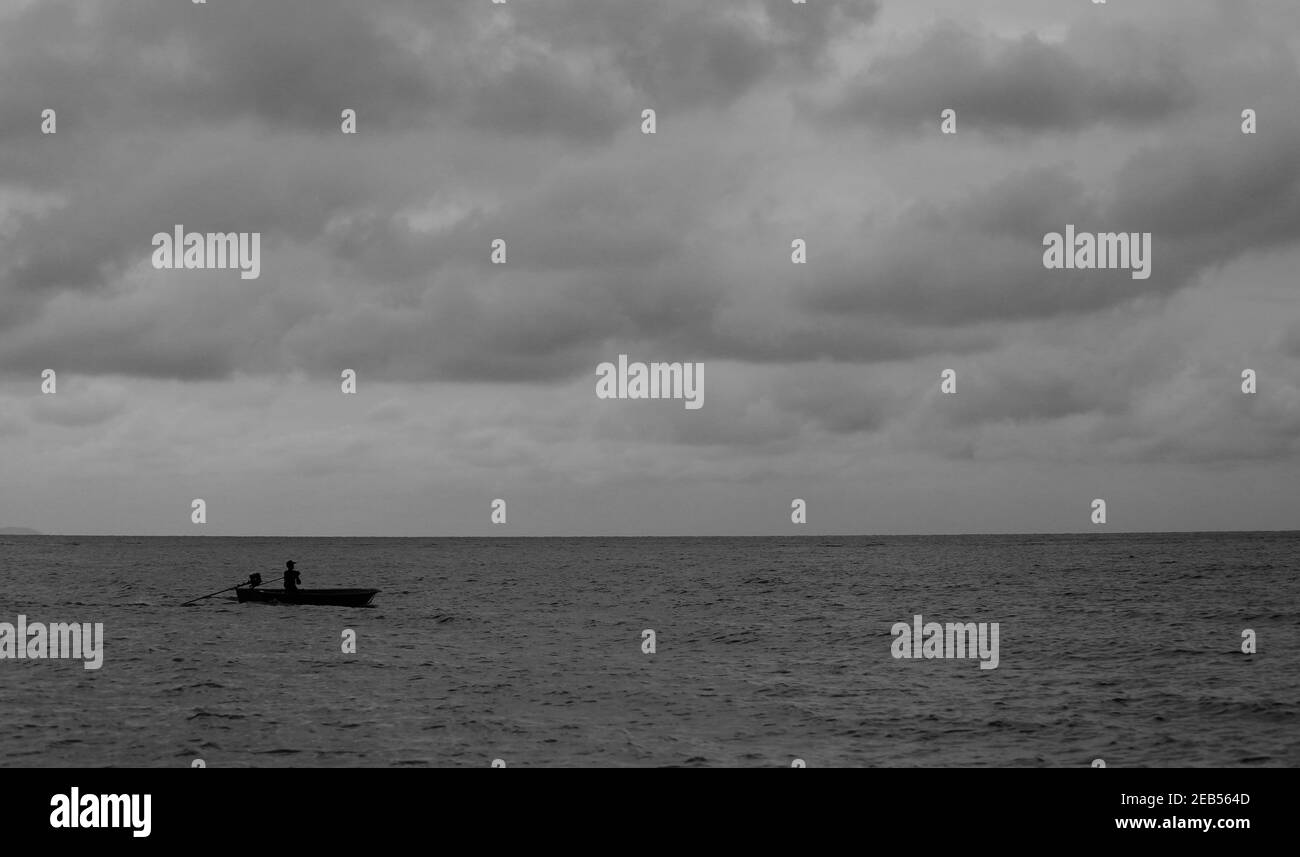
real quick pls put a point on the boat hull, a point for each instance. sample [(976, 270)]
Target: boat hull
[(332, 597)]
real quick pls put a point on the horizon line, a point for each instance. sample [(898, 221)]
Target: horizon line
[(660, 536)]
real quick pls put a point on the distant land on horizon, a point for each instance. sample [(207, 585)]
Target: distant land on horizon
[(19, 531)]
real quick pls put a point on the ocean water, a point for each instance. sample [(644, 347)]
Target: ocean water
[(1125, 648)]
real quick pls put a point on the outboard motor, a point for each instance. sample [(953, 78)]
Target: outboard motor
[(254, 579)]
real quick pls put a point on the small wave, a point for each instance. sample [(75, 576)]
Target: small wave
[(736, 637), (217, 715)]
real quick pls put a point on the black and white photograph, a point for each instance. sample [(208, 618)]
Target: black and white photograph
[(390, 385)]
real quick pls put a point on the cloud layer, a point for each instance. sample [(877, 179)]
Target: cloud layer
[(522, 122)]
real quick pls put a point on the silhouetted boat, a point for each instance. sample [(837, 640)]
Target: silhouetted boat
[(335, 597)]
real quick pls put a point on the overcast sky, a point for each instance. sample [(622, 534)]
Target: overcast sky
[(523, 122)]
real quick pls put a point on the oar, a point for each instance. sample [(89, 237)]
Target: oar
[(227, 589)]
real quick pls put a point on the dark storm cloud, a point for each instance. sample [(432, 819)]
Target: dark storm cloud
[(682, 53), (460, 337), (1213, 199), (1206, 202), (1213, 424), (1230, 191), (177, 338), (138, 82), (590, 216), (1025, 392), (806, 29), (613, 245), (567, 69), (520, 121), (109, 221), (292, 64), (1024, 84), (155, 62), (989, 266), (539, 95)]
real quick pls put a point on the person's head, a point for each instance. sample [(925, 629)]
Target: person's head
[(289, 565)]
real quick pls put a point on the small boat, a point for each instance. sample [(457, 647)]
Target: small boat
[(335, 597)]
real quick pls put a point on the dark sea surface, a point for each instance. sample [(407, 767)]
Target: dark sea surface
[(1125, 648)]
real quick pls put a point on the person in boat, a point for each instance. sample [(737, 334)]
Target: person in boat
[(291, 577)]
